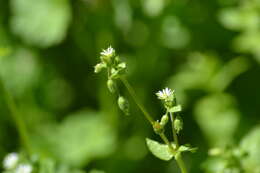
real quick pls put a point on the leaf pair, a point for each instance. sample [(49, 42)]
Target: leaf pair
[(163, 152)]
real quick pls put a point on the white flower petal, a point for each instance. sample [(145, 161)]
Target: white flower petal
[(24, 168), (10, 161), (165, 94), (107, 52)]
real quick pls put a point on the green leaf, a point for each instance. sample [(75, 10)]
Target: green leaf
[(251, 144), (218, 118), (23, 62), (47, 166), (185, 148), (87, 136), (159, 150), (80, 138), (42, 23), (96, 171), (175, 109)]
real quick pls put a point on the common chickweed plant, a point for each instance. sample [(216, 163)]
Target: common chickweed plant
[(116, 70)]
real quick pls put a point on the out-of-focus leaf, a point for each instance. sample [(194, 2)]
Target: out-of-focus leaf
[(228, 73), (96, 171), (239, 18), (195, 74), (218, 118), (123, 14), (248, 42), (161, 151), (4, 51), (153, 8), (47, 166), (251, 144), (174, 35), (23, 68), (214, 165), (245, 18), (81, 137), (42, 23)]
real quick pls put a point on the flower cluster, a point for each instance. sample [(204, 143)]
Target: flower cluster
[(12, 162), (115, 69), (168, 150), (111, 62), (169, 100)]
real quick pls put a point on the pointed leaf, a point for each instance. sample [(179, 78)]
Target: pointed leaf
[(184, 148), (175, 109), (159, 150)]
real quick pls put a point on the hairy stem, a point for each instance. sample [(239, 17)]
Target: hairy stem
[(166, 141), (23, 134), (175, 137), (138, 103), (179, 160), (181, 164), (150, 119)]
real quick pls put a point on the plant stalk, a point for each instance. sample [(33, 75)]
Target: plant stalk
[(181, 164), (150, 119), (138, 103), (179, 159), (21, 128)]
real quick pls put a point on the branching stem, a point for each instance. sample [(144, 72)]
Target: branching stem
[(150, 119), (175, 137)]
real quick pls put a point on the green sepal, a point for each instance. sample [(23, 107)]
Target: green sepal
[(114, 73), (111, 85), (178, 124), (99, 67), (123, 105)]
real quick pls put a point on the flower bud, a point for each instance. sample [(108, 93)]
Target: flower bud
[(114, 73), (99, 67), (157, 127), (123, 104), (178, 124), (111, 85), (164, 120)]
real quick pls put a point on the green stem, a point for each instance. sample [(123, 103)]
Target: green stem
[(166, 141), (138, 103), (24, 137), (150, 119), (179, 160), (181, 164), (175, 137)]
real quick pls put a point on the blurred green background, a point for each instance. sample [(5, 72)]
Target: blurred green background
[(208, 51)]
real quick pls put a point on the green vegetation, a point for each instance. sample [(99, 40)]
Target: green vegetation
[(58, 116)]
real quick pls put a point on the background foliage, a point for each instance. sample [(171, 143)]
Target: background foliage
[(207, 50)]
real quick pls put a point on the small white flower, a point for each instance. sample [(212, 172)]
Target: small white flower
[(10, 161), (165, 94), (24, 168), (108, 52)]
